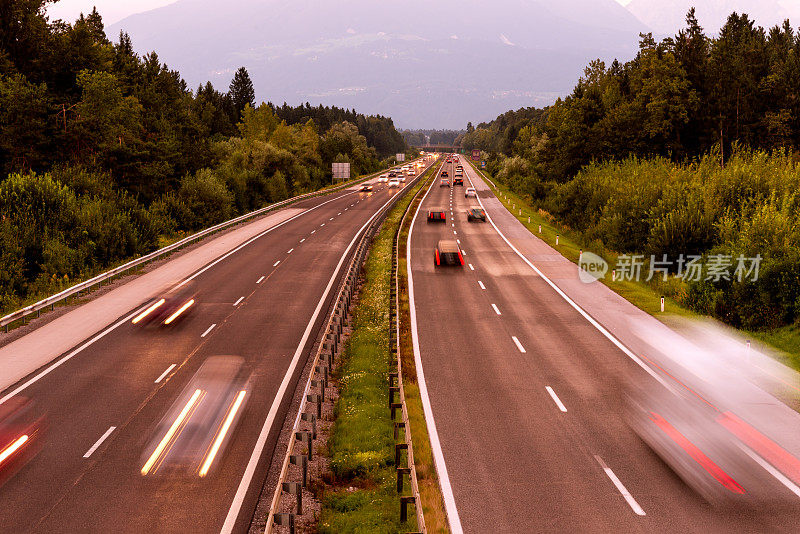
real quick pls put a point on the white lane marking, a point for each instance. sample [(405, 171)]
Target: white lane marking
[(494, 306), (572, 303), (436, 447), (260, 280), (209, 329), (463, 252), (454, 224), (276, 263), (471, 268), (481, 284), (340, 213), (620, 487), (258, 450), (346, 209), (240, 299), (289, 251), (71, 354), (458, 241), (99, 442), (518, 344), (455, 233), (312, 231), (330, 219), (323, 224), (302, 239), (165, 373), (556, 399)]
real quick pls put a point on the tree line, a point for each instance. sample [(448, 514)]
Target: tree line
[(106, 154), (690, 148), (431, 137)]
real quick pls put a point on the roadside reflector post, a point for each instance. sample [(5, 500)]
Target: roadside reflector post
[(311, 418), (404, 502), (529, 219), (662, 304), (580, 255), (401, 472), (748, 344), (613, 275), (284, 520), (303, 436), (398, 452), (301, 460), (556, 239), (540, 228), (294, 488)]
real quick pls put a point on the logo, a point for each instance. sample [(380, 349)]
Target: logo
[(591, 267)]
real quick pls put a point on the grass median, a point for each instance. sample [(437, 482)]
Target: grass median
[(361, 495)]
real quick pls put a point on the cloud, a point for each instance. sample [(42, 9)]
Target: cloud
[(351, 31)]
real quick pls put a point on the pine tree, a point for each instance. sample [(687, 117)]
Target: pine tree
[(241, 93)]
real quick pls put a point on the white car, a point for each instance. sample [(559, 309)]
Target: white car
[(470, 192), (394, 182), (383, 178), (411, 172)]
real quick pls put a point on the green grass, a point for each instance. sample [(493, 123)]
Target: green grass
[(362, 496), (644, 295)]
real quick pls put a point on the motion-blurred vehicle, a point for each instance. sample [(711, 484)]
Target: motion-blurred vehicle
[(475, 213), (394, 182), (22, 429), (458, 179), (470, 192), (447, 252), (411, 172), (365, 188), (392, 174), (171, 307), (191, 438), (437, 215), (383, 178), (445, 174), (444, 183)]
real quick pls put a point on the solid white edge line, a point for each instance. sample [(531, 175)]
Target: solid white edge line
[(572, 303), (436, 447), (204, 334), (518, 344), (260, 280), (170, 368), (247, 476), (99, 442), (496, 309), (620, 487), (240, 299), (556, 399)]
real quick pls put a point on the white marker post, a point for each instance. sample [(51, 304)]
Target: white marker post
[(556, 239), (662, 304), (540, 228), (613, 275)]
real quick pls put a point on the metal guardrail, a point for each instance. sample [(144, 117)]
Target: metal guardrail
[(304, 429), (86, 285)]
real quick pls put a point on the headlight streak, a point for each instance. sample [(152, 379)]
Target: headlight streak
[(212, 453), (179, 311), (173, 429), (148, 311), (14, 447)]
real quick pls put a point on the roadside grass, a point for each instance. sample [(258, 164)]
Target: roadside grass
[(644, 295), (361, 496)]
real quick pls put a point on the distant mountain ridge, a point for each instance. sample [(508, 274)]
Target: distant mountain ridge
[(425, 64), (666, 17)]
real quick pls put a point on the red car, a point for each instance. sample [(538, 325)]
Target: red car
[(437, 215), (22, 429), (447, 252)]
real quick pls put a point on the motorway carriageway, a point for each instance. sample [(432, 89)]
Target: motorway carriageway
[(265, 303), (525, 397)]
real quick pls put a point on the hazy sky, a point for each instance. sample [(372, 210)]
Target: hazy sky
[(116, 10)]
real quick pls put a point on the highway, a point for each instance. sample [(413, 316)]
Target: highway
[(264, 303), (527, 395)]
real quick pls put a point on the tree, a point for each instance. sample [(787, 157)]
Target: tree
[(241, 93)]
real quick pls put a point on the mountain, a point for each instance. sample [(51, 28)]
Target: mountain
[(426, 64), (666, 17)]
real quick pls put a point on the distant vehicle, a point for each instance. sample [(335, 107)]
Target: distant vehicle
[(392, 174), (448, 253), (168, 309), (400, 174), (470, 192), (412, 172), (445, 174), (437, 215), (394, 182), (365, 187), (22, 429), (476, 214), (383, 178), (458, 180), (444, 183)]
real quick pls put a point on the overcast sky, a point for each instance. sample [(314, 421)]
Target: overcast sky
[(116, 10)]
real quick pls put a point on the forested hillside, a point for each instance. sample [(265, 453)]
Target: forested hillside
[(689, 149), (105, 154)]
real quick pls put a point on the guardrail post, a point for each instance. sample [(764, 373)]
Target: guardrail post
[(305, 436), (395, 406), (301, 460), (398, 451), (400, 472), (311, 418), (392, 391), (404, 502), (294, 488), (397, 426), (321, 385), (285, 520), (311, 397)]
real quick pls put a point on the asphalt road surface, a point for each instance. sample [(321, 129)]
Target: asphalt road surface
[(264, 303), (527, 399)]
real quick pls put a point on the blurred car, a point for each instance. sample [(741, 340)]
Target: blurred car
[(394, 182), (392, 174), (174, 305), (365, 188), (458, 180), (437, 215), (444, 174), (383, 178), (447, 252), (22, 429), (476, 214), (412, 172), (470, 192), (192, 436), (444, 183)]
